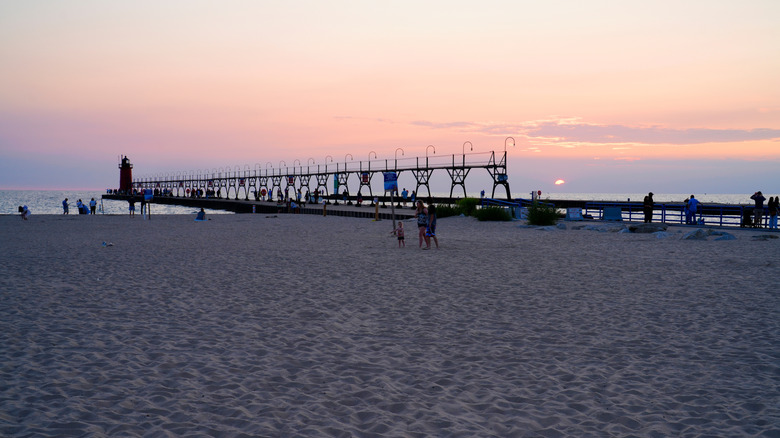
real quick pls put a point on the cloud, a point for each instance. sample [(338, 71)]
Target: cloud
[(590, 133), (572, 130), (446, 125)]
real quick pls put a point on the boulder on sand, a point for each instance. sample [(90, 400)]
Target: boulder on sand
[(647, 228)]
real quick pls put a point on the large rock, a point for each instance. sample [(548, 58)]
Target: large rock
[(765, 237), (605, 228), (662, 235), (697, 234), (647, 228)]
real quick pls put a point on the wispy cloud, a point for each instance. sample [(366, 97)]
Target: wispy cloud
[(591, 133), (564, 131)]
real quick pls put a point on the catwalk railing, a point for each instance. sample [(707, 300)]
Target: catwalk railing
[(342, 177)]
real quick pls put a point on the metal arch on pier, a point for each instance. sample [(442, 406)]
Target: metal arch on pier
[(289, 180)]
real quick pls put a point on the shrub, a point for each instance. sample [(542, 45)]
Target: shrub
[(468, 206), (542, 214), (492, 214), (447, 211)]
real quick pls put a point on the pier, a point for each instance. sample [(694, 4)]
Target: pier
[(331, 178), (337, 188)]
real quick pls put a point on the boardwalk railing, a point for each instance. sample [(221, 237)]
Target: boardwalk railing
[(711, 214), (721, 215)]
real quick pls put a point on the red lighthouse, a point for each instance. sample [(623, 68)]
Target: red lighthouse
[(125, 175)]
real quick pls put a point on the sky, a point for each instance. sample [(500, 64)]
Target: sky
[(608, 96)]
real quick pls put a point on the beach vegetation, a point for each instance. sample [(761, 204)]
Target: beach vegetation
[(492, 214), (468, 206), (443, 210), (542, 214)]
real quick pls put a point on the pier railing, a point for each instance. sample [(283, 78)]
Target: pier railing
[(722, 215), (348, 176), (707, 214)]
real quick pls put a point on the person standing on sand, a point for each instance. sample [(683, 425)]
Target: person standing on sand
[(131, 204), (647, 207), (93, 205), (65, 206), (758, 212), (431, 231), (400, 233), (422, 224), (773, 205)]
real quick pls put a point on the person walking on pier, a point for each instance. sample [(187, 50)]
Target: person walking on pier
[(758, 212), (404, 194), (647, 207)]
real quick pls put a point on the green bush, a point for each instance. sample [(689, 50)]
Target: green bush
[(492, 214), (468, 206), (542, 214), (447, 211)]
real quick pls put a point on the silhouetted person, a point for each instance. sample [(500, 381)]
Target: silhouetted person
[(647, 207)]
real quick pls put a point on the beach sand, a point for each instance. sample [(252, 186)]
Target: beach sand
[(249, 325)]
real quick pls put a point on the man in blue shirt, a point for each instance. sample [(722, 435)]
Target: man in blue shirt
[(690, 214)]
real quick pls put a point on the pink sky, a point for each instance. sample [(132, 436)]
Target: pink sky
[(666, 96)]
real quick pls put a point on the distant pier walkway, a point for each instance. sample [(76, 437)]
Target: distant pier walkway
[(366, 210), (719, 215)]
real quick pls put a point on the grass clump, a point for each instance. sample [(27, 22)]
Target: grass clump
[(542, 214), (468, 206), (492, 214), (447, 211)]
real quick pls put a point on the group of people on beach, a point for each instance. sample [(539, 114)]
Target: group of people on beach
[(83, 207), (426, 226)]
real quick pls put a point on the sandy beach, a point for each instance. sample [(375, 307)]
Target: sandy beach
[(253, 325)]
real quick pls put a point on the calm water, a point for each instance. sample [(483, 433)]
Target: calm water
[(50, 202)]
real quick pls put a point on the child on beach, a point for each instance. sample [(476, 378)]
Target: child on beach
[(400, 233)]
